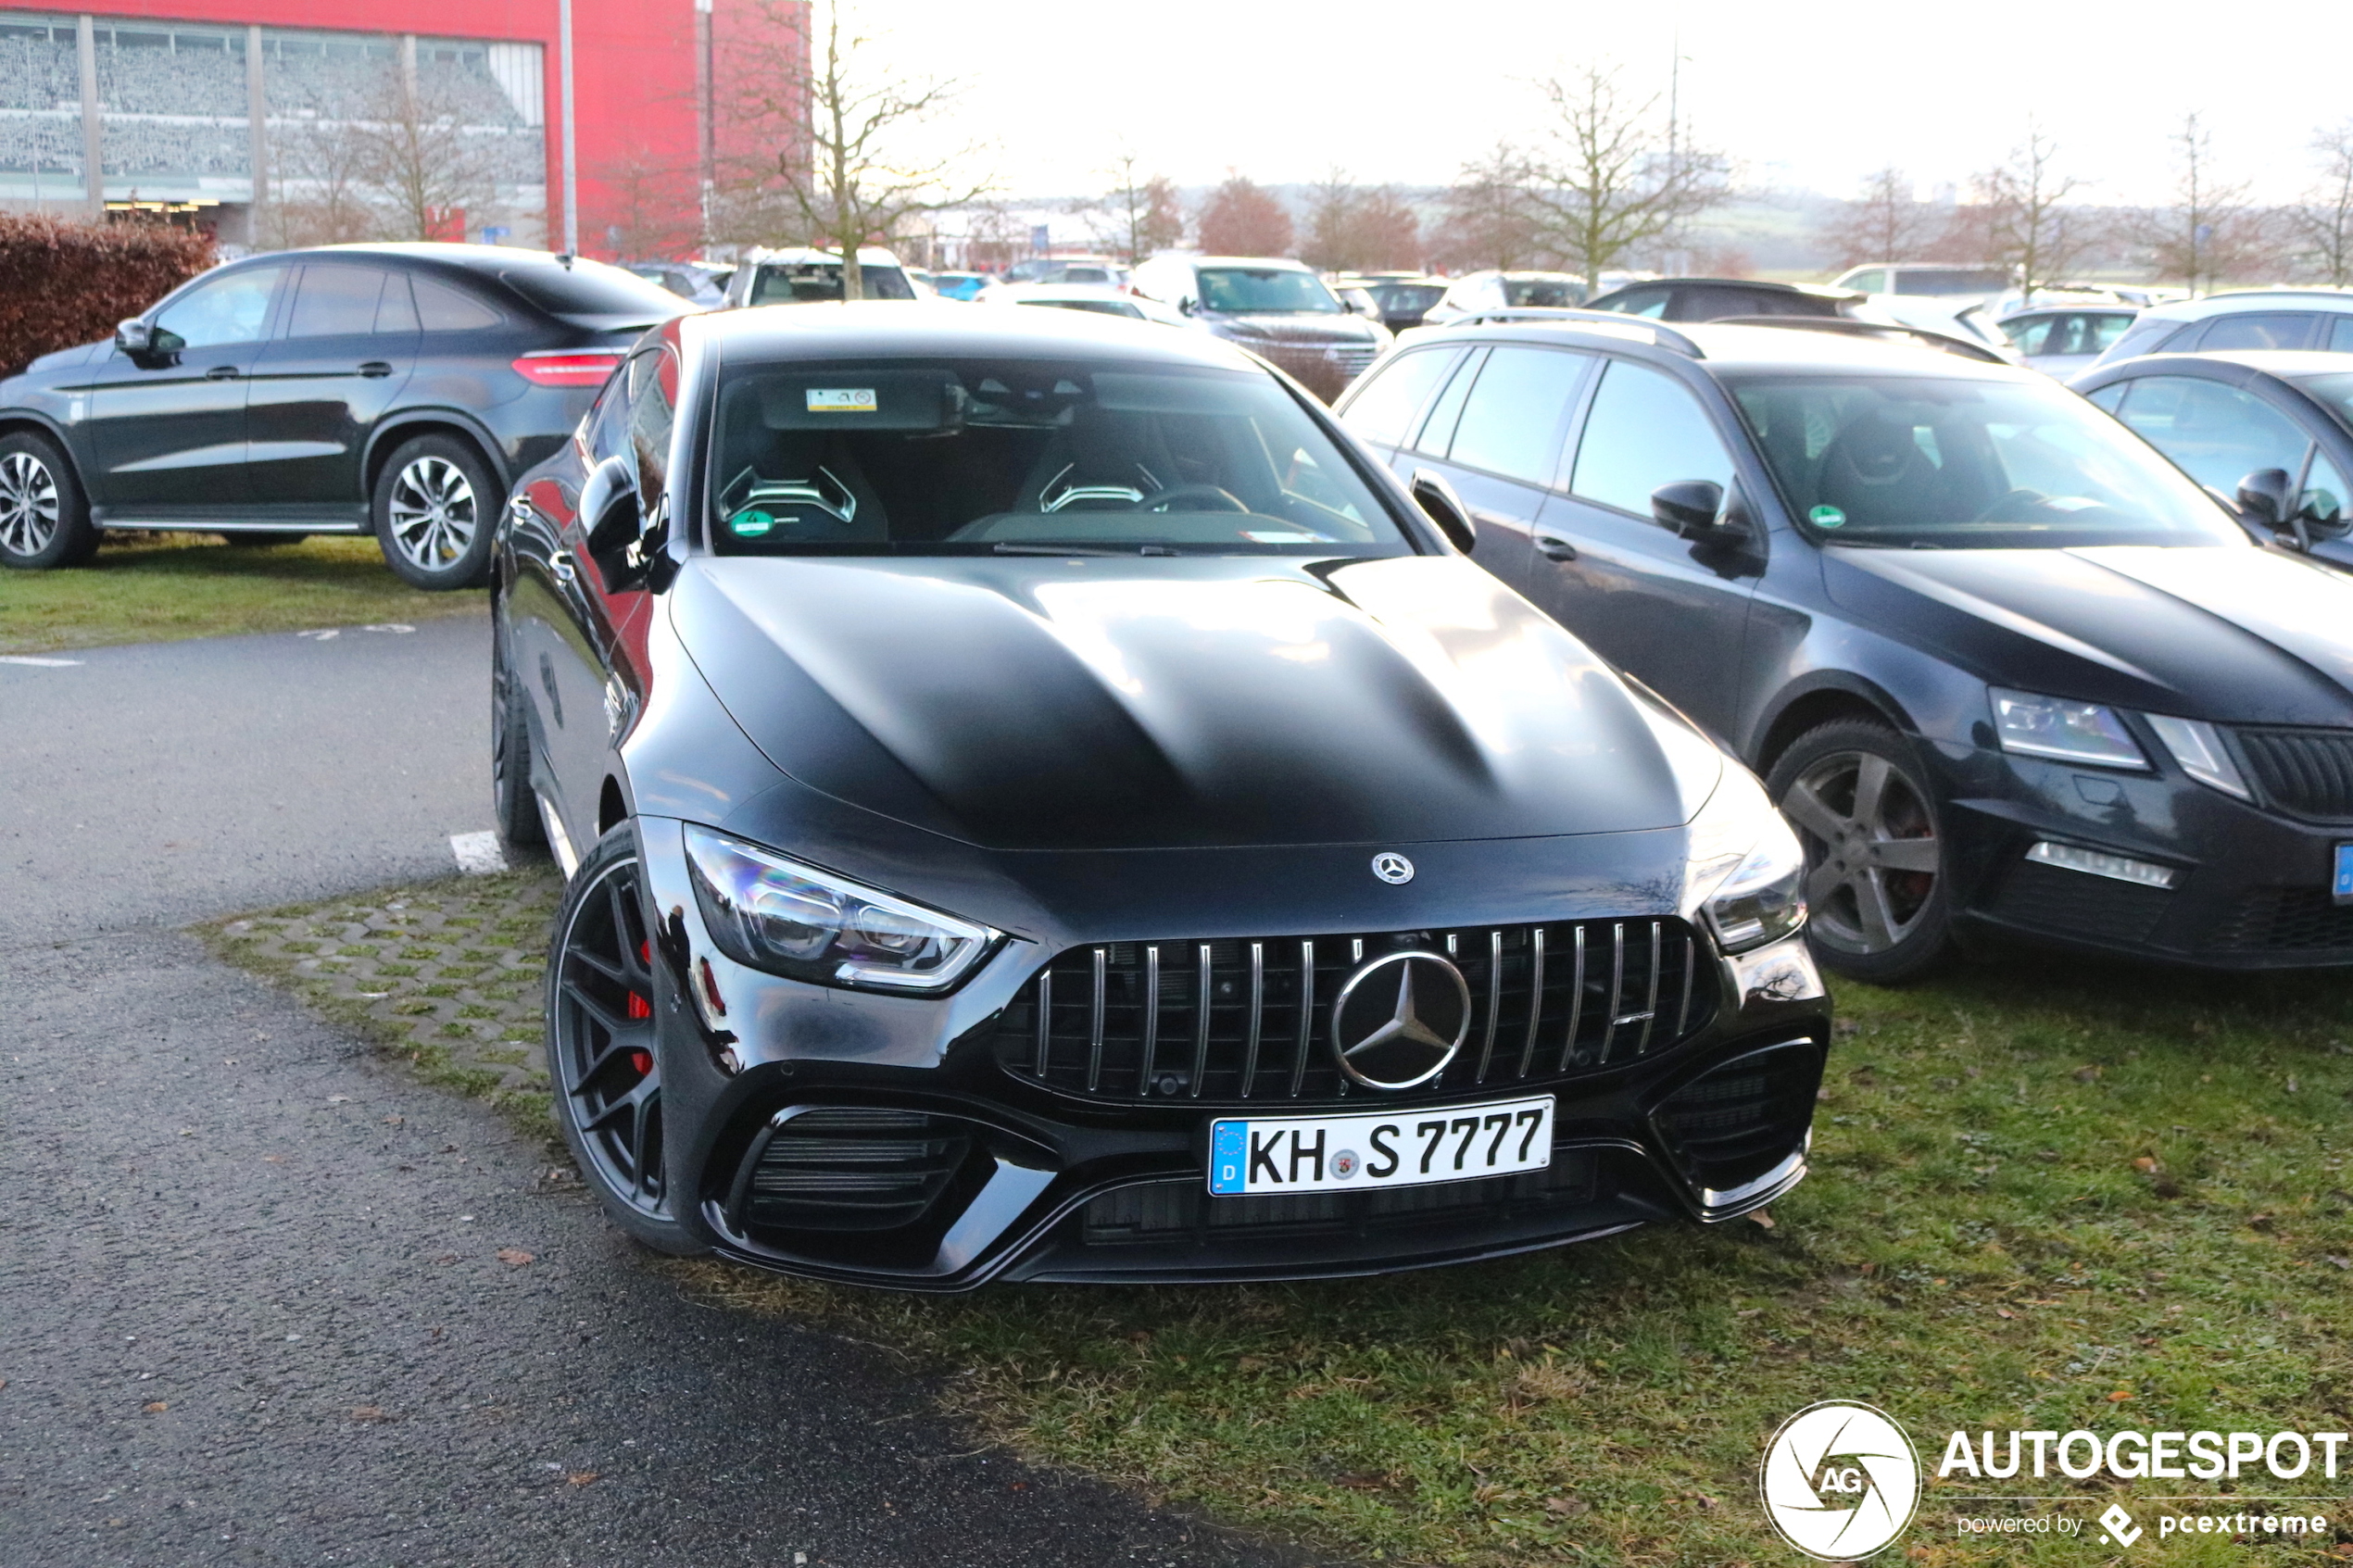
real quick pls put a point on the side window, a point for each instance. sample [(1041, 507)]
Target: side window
[(1438, 431), (2101, 333), (1874, 281), (2215, 434), (1641, 302), (2110, 397), (225, 310), (447, 309), (606, 430), (1646, 430), (1385, 405), (2341, 336), (396, 312), (2034, 335), (2325, 496), (1511, 423), (2257, 329), (2151, 337), (333, 301), (653, 391)]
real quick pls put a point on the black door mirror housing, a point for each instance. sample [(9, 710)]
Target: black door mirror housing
[(1188, 306), (610, 509), (1439, 502), (2264, 496), (1694, 509)]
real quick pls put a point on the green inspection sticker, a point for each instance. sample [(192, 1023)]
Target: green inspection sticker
[(751, 525), (1825, 517)]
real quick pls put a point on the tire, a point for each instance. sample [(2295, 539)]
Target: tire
[(257, 539), (514, 810), (604, 1053), (1878, 881), (435, 511), (45, 519)]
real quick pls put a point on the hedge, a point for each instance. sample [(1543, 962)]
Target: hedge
[(64, 283)]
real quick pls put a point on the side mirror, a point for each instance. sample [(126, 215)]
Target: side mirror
[(1436, 498), (1188, 306), (610, 509), (132, 336), (2264, 496), (1689, 509)]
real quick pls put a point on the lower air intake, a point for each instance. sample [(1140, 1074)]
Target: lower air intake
[(851, 1168), (1739, 1120)]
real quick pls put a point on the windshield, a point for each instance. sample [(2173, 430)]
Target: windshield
[(804, 282), (1025, 455), (1398, 298), (1548, 294), (1266, 291), (591, 288), (2334, 391), (1950, 280), (1929, 463)]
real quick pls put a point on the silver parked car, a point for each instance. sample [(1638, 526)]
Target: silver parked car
[(2060, 340)]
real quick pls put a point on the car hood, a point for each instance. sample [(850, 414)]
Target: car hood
[(1099, 703), (1244, 328), (2226, 634)]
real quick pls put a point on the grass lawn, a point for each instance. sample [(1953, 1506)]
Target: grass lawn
[(157, 587), (2045, 1196)]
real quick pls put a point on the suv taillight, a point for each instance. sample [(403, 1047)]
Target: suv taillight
[(569, 366)]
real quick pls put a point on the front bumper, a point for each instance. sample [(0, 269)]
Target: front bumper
[(2250, 887), (883, 1141)]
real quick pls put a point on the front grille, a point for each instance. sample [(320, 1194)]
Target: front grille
[(851, 1167), (1180, 1211), (2307, 772), (2286, 919), (1351, 360), (1736, 1122), (1250, 1019), (2097, 909)]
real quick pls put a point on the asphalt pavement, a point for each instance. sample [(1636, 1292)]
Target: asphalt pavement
[(255, 1304)]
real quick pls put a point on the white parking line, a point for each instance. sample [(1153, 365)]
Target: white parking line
[(478, 853), (37, 663)]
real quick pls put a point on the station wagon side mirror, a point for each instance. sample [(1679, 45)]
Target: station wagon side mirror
[(132, 336), (1691, 508), (2264, 498), (1436, 498)]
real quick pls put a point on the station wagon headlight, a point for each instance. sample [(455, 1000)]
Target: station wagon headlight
[(2064, 730), (1746, 874), (789, 918)]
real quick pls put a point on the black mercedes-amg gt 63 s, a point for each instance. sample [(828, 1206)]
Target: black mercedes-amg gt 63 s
[(1039, 803)]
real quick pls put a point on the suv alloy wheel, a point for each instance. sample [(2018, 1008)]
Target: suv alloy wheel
[(435, 508)]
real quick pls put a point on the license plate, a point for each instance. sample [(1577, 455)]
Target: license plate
[(1457, 1143), (2341, 886)]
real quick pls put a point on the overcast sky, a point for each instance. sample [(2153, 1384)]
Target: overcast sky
[(1811, 97)]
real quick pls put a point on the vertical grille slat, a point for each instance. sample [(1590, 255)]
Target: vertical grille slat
[(2308, 772), (1250, 1019)]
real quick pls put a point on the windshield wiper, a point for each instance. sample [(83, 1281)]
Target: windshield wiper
[(1004, 549)]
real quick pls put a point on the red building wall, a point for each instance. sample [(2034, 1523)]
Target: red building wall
[(635, 85)]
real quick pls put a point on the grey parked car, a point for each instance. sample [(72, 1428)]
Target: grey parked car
[(1277, 309)]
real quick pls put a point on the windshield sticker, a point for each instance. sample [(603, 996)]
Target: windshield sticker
[(751, 525), (841, 400), (1825, 517), (1272, 536)]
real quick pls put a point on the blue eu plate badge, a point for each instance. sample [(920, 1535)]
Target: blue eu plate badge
[(2343, 885)]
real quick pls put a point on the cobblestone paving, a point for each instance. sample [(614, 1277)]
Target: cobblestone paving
[(444, 975)]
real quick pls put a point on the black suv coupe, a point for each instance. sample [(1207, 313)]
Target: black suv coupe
[(2001, 665), (1038, 803), (394, 389)]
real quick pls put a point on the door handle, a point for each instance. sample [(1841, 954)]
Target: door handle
[(1551, 546), (221, 372), (375, 368)]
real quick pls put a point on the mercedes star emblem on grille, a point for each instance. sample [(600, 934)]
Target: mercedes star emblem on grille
[(1392, 867), (1399, 1019)]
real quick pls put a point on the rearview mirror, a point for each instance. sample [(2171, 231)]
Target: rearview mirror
[(1436, 498), (2264, 496)]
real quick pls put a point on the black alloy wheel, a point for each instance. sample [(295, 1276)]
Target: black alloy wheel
[(43, 521), (436, 510), (514, 809), (604, 1047), (1875, 884)]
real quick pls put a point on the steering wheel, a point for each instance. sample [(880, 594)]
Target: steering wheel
[(2021, 497), (1197, 497)]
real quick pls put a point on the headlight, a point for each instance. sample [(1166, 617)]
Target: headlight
[(2198, 748), (1747, 871), (793, 920), (2064, 730)]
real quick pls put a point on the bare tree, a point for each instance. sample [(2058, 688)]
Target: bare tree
[(1883, 223), (846, 160), (1137, 216), (1488, 220), (2208, 231), (2030, 228), (2323, 222), (417, 163), (646, 219), (1352, 228), (1242, 217), (1615, 177), (317, 195)]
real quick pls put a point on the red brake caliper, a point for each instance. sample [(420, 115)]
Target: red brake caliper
[(642, 1062)]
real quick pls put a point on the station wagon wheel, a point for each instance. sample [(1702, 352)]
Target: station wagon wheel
[(603, 1041), (42, 520), (435, 510), (1875, 887)]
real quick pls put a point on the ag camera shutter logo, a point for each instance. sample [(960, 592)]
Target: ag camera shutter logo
[(1840, 1480)]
